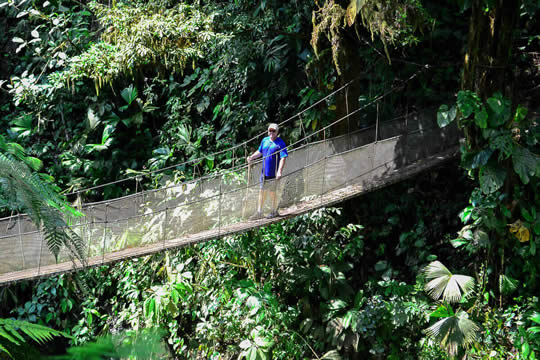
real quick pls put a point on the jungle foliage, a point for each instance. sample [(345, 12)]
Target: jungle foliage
[(98, 91)]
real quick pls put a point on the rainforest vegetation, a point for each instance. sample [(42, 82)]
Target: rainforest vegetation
[(443, 265)]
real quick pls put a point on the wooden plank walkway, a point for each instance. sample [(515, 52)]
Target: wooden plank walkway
[(355, 188)]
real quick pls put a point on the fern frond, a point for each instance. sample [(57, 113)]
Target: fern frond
[(3, 349), (23, 189), (35, 332), (9, 337)]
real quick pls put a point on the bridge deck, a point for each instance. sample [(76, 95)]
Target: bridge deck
[(352, 188)]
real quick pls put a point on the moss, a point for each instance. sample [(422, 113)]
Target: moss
[(327, 22)]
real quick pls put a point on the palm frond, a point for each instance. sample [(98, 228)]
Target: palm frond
[(12, 330), (507, 284), (452, 288), (453, 332)]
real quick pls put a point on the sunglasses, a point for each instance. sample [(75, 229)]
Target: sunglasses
[(271, 130)]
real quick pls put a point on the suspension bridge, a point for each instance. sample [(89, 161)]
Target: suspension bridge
[(320, 171)]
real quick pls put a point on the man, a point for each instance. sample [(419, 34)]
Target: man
[(274, 153)]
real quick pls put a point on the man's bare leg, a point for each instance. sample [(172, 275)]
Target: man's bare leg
[(262, 199)]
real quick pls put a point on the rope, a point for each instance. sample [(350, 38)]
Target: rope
[(290, 147), (199, 159)]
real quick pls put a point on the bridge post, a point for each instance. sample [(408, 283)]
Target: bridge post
[(348, 120), (377, 124), (165, 226), (20, 241), (324, 166), (40, 252), (219, 205), (104, 233)]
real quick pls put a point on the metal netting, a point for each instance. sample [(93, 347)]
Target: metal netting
[(222, 203)]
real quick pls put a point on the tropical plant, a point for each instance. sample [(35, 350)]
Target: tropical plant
[(455, 329), (13, 330), (141, 345), (21, 188)]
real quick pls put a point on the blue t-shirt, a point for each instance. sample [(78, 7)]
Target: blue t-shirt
[(272, 152)]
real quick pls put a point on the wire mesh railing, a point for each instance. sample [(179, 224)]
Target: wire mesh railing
[(222, 203)]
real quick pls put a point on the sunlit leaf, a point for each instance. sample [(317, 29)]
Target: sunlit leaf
[(481, 158), (442, 312), (507, 284), (454, 332), (444, 284), (129, 94), (331, 355), (521, 113), (446, 115), (520, 231)]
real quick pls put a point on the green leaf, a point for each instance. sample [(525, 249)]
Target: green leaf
[(245, 344), (34, 163), (454, 332), (137, 119), (465, 214), (492, 178), (251, 354), (525, 349), (263, 342), (331, 355), (481, 118), (481, 238), (496, 105), (349, 318), (467, 102), (521, 113), (507, 285), (499, 110), (337, 304), (92, 119), (536, 228), (445, 115), (444, 284), (442, 312), (381, 265), (525, 163), (458, 242), (109, 129), (526, 215), (129, 94), (481, 158)]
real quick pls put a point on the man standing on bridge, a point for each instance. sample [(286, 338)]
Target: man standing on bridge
[(274, 153)]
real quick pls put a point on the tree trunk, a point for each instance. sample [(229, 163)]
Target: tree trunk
[(489, 48)]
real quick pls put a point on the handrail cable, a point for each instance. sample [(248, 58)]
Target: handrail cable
[(196, 160)]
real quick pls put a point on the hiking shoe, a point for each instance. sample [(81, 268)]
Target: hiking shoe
[(273, 214), (256, 216)]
